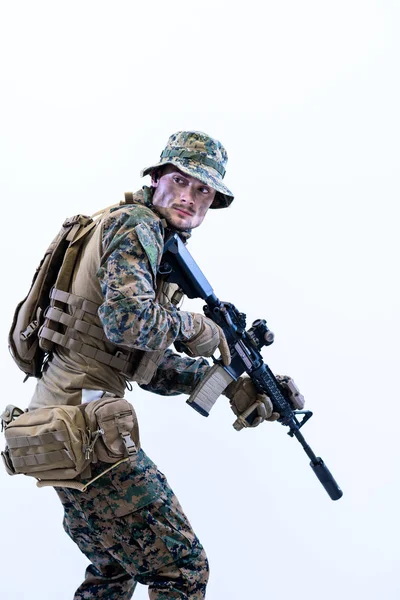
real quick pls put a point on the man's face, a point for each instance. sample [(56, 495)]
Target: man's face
[(181, 199)]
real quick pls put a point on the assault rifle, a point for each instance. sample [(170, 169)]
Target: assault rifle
[(178, 266)]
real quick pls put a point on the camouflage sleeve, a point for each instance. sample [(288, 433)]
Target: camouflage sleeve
[(132, 249), (177, 375)]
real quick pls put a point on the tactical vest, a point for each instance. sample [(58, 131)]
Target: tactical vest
[(81, 355)]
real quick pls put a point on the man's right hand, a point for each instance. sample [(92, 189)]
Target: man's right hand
[(207, 338)]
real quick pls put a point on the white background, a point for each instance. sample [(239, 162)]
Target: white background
[(305, 97)]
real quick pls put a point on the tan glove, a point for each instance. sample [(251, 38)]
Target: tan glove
[(245, 399), (207, 338), (292, 391)]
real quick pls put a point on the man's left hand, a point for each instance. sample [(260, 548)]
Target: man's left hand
[(246, 400), (292, 391)]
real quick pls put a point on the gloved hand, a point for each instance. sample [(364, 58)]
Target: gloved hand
[(245, 399), (292, 391), (207, 338)]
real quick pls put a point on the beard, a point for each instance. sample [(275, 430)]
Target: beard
[(172, 225)]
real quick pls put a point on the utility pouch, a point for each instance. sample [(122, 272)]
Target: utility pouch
[(47, 443), (114, 429)]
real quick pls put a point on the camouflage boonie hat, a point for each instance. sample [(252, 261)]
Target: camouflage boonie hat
[(197, 154)]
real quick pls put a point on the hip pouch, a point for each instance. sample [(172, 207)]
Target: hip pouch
[(114, 429), (48, 443)]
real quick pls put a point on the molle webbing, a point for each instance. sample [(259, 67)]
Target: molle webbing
[(59, 292), (21, 441), (71, 321), (65, 340), (42, 459), (75, 301), (74, 326)]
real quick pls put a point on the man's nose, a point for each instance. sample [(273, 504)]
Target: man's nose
[(187, 195)]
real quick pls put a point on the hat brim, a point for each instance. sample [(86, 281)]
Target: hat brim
[(206, 174)]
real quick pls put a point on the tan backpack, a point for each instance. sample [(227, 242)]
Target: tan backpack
[(29, 315), (33, 333)]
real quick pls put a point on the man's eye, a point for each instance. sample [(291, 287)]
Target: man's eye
[(178, 180), (204, 190)]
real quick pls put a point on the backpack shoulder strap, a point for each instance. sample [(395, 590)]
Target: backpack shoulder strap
[(129, 198), (76, 237)]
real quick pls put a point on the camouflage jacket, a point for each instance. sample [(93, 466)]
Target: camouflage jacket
[(132, 242)]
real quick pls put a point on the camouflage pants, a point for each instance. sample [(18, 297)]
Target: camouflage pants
[(131, 527)]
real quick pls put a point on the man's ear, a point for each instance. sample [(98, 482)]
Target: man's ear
[(155, 177)]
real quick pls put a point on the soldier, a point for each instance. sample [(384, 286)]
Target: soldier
[(129, 522)]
